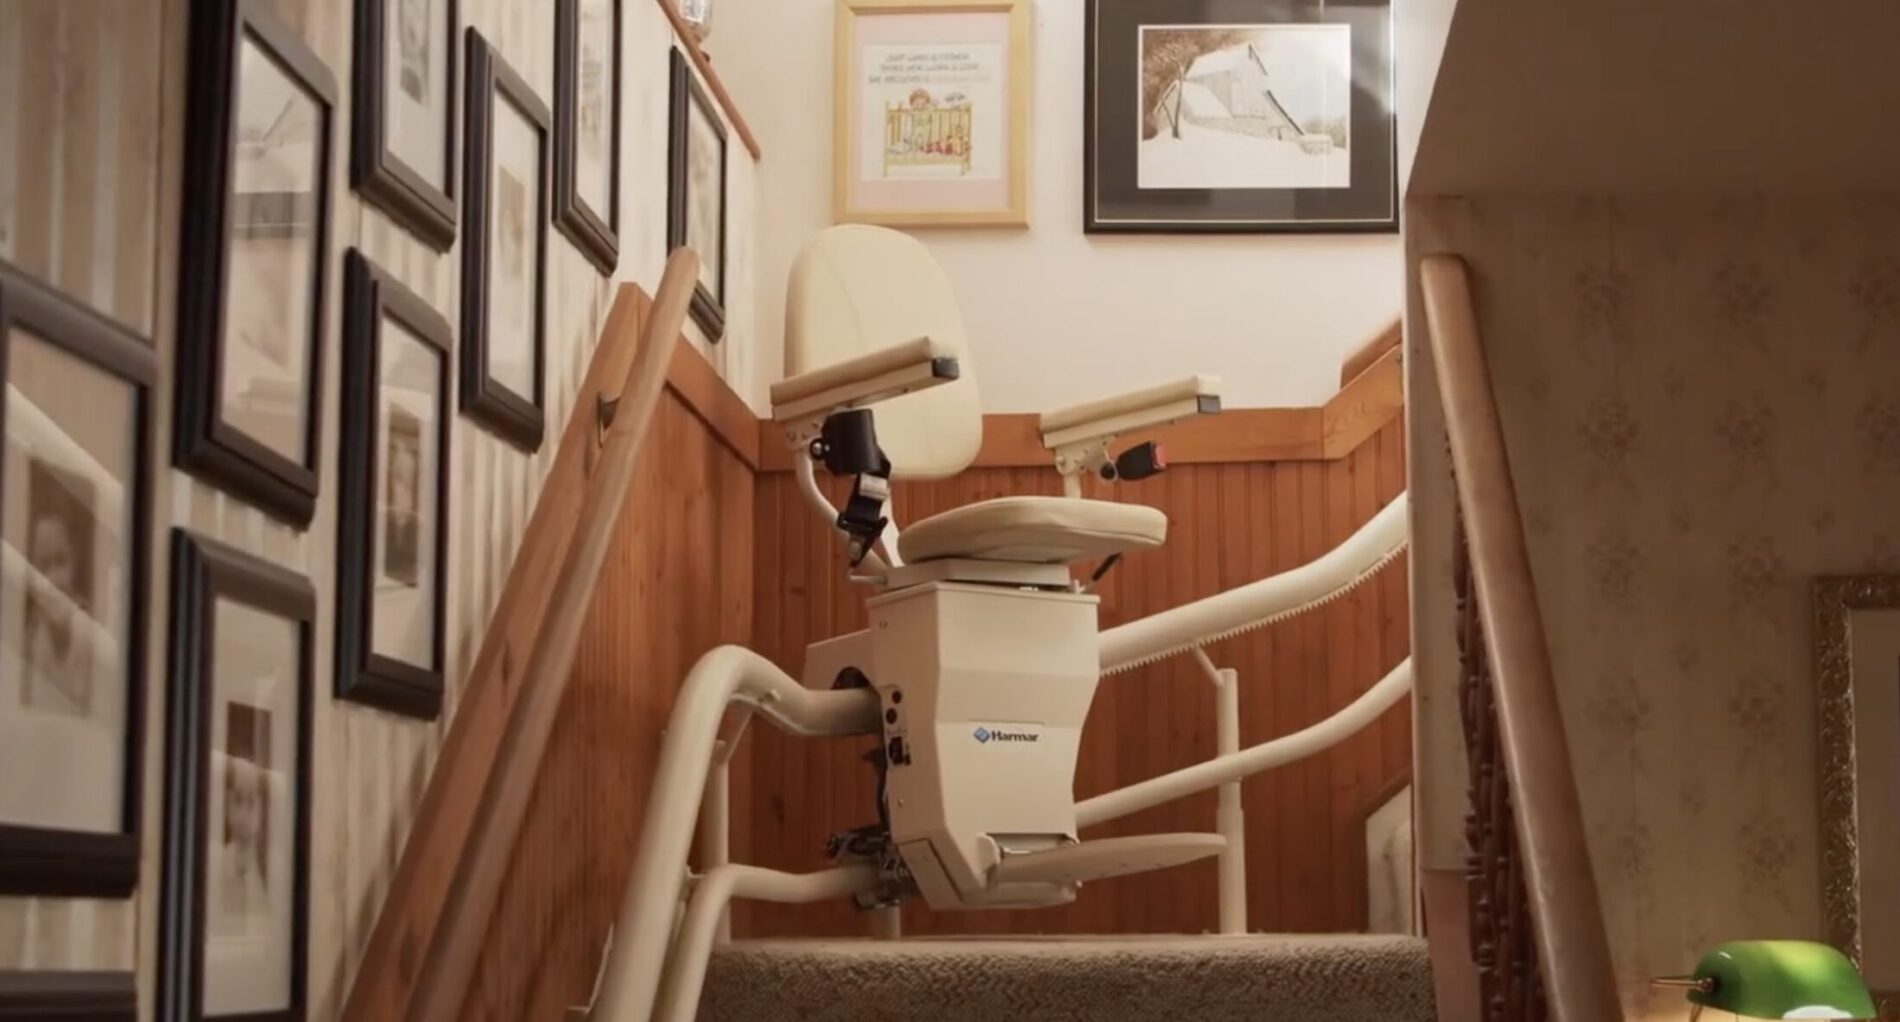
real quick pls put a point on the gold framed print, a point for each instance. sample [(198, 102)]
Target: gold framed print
[(931, 119)]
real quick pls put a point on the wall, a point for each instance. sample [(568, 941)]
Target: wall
[(1231, 523), (91, 96), (1056, 316), (1701, 414)]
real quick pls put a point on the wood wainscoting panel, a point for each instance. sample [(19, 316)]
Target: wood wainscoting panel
[(1232, 522), (677, 582)]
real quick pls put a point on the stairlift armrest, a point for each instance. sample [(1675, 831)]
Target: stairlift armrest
[(1076, 432), (806, 399)]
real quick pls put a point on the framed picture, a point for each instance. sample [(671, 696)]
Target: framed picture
[(252, 252), (402, 145), (1385, 859), (1239, 116), (235, 905), (1857, 675), (587, 127), (505, 255), (392, 526), (931, 123), (91, 996), (75, 504), (696, 192)]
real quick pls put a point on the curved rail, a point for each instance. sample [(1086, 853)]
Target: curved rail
[(686, 969), (1269, 754), (722, 677), (1258, 604)]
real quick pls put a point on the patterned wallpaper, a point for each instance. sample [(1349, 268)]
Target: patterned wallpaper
[(89, 147), (1702, 409)]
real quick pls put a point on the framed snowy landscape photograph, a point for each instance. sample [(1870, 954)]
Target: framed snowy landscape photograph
[(1239, 116)]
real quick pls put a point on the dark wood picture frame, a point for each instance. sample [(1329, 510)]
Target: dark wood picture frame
[(203, 571), (709, 309), (371, 296), (596, 235), (1110, 135), (376, 172), (68, 996), (64, 863), (204, 443), (518, 418)]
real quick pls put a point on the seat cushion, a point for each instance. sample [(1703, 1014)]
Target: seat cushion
[(1034, 530)]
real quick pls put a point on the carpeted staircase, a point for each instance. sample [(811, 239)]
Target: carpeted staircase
[(1256, 978)]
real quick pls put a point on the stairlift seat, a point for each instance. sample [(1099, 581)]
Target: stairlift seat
[(1034, 530)]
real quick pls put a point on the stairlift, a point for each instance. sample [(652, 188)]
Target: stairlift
[(982, 654), (983, 650)]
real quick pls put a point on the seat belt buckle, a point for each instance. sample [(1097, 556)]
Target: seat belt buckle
[(863, 518)]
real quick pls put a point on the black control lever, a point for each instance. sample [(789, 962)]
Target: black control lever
[(847, 443), (1140, 462)]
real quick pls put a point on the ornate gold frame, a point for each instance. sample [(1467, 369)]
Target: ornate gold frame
[(1835, 600)]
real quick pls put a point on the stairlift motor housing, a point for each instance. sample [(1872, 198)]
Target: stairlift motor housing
[(984, 690)]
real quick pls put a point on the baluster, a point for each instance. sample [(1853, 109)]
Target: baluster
[(1503, 945)]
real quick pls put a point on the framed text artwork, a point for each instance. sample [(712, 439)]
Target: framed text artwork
[(931, 118), (1258, 116)]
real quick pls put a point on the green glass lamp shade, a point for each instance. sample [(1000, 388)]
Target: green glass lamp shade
[(1779, 979)]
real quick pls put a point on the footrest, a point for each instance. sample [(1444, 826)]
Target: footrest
[(1108, 857)]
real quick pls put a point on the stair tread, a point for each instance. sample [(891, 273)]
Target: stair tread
[(1251, 978)]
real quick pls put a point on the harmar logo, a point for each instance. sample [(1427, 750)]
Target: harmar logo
[(984, 736)]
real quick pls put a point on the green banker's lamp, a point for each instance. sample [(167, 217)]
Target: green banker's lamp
[(1776, 979)]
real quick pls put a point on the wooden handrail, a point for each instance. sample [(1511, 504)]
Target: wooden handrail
[(697, 55), (1371, 350), (427, 939), (1550, 844)]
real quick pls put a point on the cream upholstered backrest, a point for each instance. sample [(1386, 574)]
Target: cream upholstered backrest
[(856, 289)]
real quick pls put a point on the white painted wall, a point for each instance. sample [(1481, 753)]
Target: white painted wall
[(1056, 316)]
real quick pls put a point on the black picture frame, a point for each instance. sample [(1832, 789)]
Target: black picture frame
[(518, 418), (204, 442), (708, 308), (1113, 203), (597, 236), (68, 996), (371, 296), (376, 172), (50, 862), (204, 571)]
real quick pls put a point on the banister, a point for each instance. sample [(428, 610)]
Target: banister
[(1566, 914), (430, 930), (451, 964)]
